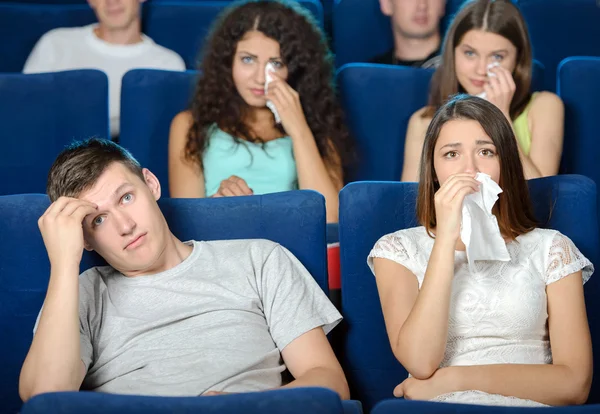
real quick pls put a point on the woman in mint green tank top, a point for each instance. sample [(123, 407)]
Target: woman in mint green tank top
[(487, 52), (265, 116)]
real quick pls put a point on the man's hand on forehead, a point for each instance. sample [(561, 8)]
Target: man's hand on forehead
[(62, 230)]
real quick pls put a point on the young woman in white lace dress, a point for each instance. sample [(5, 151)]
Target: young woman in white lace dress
[(506, 333)]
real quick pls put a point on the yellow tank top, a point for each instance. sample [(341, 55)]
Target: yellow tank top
[(521, 127)]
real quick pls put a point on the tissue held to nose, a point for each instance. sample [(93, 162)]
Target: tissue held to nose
[(479, 229), (268, 79), (490, 75)]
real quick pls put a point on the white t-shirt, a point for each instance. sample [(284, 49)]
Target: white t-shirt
[(80, 48)]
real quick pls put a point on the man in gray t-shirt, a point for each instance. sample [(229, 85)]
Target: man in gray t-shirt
[(166, 317)]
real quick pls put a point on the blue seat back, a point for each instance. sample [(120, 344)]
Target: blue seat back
[(561, 28), (378, 101), (289, 401), (578, 86), (428, 407), (41, 114), (371, 210), (22, 25), (149, 101)]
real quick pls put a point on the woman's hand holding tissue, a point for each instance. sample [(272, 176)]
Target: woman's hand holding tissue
[(500, 89), (233, 186), (441, 382), (288, 105), (448, 204)]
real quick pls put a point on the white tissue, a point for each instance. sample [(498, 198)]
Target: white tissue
[(268, 79), (490, 75), (479, 230)]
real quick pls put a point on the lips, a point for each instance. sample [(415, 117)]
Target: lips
[(478, 83), (135, 241), (258, 92)]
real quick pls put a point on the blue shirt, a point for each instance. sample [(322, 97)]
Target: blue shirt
[(267, 168)]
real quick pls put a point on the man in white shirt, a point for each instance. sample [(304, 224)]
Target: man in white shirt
[(114, 45)]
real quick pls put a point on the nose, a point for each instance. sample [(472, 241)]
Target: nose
[(124, 222), (259, 74), (470, 164), (481, 66)]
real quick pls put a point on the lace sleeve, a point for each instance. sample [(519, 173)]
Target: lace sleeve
[(390, 246), (565, 258)]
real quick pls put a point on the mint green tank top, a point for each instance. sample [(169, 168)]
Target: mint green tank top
[(267, 169)]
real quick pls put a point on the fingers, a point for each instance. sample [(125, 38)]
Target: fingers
[(233, 186), (457, 187), (241, 184), (66, 206), (76, 205), (82, 211), (399, 390), (280, 90), (460, 185), (280, 98), (503, 82)]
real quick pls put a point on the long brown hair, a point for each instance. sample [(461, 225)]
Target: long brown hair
[(513, 210), (494, 16), (304, 51)]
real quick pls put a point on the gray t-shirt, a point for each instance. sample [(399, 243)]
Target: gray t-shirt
[(217, 321)]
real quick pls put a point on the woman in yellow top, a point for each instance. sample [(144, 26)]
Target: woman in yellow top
[(487, 51)]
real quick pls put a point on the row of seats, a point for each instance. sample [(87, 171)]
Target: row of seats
[(179, 26), (558, 28), (296, 219), (295, 401), (44, 112)]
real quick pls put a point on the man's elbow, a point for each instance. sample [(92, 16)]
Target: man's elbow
[(28, 391)]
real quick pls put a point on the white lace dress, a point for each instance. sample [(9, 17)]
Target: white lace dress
[(498, 315)]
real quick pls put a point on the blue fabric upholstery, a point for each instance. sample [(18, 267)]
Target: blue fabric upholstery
[(426, 407), (179, 25), (182, 25), (149, 101), (21, 26), (295, 219), (578, 86), (561, 28), (371, 210), (378, 101), (41, 114), (288, 401), (360, 31)]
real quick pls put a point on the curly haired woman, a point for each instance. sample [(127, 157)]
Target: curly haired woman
[(229, 142)]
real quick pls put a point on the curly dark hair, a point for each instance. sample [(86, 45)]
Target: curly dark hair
[(304, 51)]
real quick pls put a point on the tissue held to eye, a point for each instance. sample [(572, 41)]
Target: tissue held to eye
[(269, 67)]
